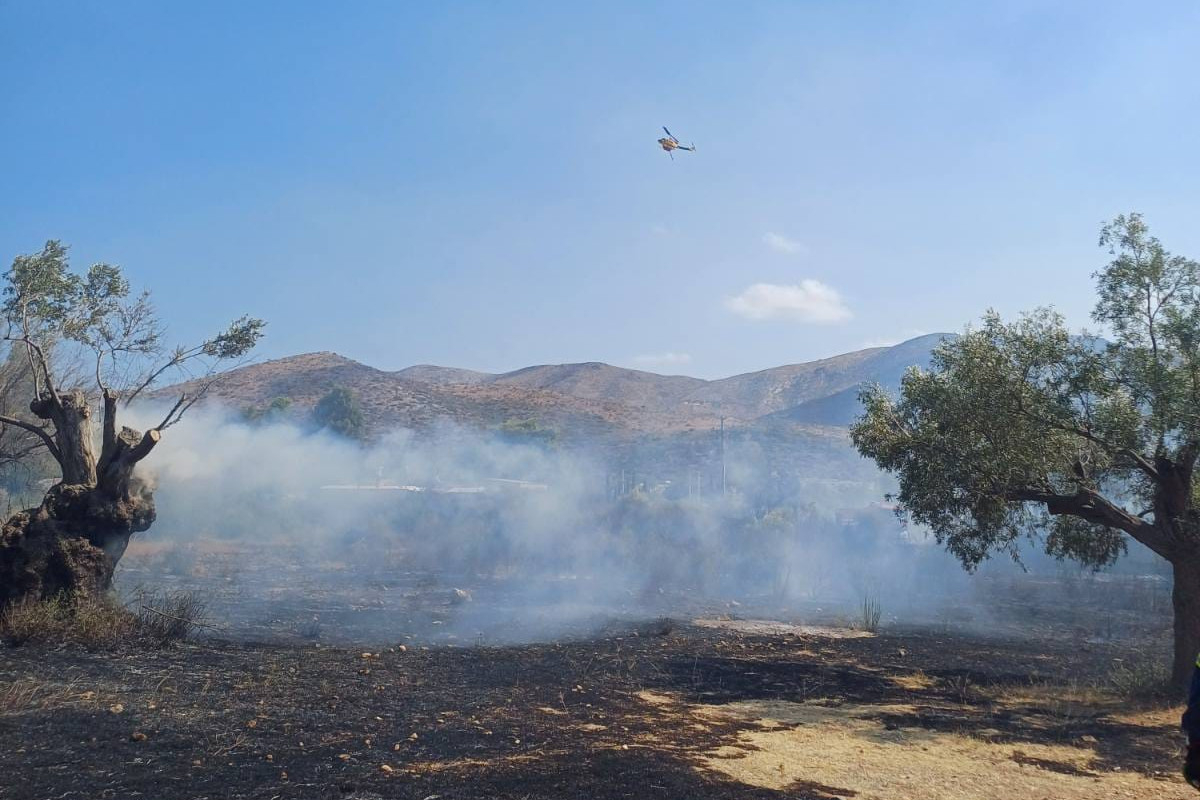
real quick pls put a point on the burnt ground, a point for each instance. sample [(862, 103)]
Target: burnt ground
[(575, 719)]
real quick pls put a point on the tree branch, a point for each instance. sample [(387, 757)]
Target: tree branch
[(167, 421), (40, 432), (177, 359), (33, 348), (1140, 461), (143, 448), (109, 442), (1090, 505), (18, 456), (30, 350), (99, 377)]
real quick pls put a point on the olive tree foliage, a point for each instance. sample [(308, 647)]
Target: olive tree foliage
[(1021, 430), (61, 323)]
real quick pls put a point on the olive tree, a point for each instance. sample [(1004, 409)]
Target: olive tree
[(89, 345), (1023, 430)]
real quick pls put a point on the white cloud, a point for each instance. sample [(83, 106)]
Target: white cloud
[(662, 359), (782, 244), (808, 301)]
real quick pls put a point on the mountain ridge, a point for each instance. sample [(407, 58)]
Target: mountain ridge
[(585, 397), (565, 377)]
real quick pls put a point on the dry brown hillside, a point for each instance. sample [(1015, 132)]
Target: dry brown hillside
[(582, 399), (390, 400)]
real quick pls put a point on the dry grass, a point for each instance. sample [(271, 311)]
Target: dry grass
[(1134, 696), (914, 681), (100, 622), (32, 694), (81, 619)]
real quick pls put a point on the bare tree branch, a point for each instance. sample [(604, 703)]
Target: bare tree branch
[(179, 358), (167, 420), (34, 429)]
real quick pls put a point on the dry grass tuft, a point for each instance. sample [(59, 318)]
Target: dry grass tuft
[(20, 695), (29, 620), (30, 694), (100, 622), (82, 619), (913, 681)]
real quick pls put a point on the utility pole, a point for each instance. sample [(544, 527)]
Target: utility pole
[(722, 456)]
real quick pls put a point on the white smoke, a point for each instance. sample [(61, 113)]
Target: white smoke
[(467, 534)]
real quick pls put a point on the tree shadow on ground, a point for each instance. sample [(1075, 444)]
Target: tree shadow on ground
[(973, 702)]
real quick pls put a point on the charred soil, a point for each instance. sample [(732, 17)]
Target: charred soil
[(670, 711)]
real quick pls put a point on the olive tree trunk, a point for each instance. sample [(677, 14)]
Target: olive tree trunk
[(1185, 597), (74, 539), (72, 419)]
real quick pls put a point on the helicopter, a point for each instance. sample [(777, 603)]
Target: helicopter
[(669, 143)]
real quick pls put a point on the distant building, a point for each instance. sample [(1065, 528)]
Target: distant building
[(489, 485)]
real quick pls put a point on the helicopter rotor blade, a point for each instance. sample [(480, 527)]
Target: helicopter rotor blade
[(668, 132)]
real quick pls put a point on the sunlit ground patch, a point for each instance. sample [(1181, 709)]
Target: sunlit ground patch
[(762, 627), (846, 751), (913, 681)]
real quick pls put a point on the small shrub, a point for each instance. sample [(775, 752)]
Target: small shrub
[(962, 687), (1140, 680), (169, 616), (663, 626), (870, 613)]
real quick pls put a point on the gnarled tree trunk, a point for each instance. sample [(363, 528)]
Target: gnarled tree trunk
[(72, 418), (74, 539), (1185, 597)]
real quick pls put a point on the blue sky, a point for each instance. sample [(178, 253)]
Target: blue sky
[(478, 184)]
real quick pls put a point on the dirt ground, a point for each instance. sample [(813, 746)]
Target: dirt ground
[(719, 710)]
